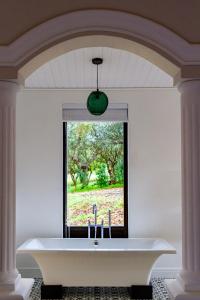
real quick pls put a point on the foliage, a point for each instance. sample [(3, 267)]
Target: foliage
[(109, 146), (95, 148), (102, 178), (92, 187), (119, 171), (80, 153)]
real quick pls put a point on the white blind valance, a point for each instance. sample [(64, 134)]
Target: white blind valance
[(77, 112)]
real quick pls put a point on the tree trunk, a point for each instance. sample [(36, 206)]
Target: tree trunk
[(111, 173), (74, 181)]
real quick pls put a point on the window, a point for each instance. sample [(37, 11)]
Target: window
[(95, 172)]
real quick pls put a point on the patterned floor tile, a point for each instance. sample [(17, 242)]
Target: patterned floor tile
[(103, 293)]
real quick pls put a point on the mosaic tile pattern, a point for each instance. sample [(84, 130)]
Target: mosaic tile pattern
[(103, 293)]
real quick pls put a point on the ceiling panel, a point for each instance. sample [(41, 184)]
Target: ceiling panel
[(120, 69)]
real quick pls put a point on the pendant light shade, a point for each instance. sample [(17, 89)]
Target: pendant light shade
[(97, 101)]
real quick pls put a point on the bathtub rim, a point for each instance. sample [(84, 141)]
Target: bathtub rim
[(168, 250)]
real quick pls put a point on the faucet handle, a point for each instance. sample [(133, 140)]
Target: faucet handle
[(102, 228), (89, 229), (109, 222), (94, 207), (109, 217)]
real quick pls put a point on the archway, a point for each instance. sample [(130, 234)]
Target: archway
[(93, 28), (99, 40), (144, 37)]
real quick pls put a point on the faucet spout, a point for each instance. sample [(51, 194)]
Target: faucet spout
[(89, 228), (96, 226), (102, 228), (109, 222), (94, 210), (95, 223)]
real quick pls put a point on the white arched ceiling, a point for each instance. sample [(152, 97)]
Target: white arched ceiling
[(120, 69)]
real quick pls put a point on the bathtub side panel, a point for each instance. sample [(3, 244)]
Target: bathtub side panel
[(96, 268)]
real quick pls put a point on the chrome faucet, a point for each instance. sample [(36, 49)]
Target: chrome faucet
[(94, 206), (109, 222), (102, 229), (95, 220), (89, 227), (68, 229), (94, 211)]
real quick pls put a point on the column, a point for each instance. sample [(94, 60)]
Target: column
[(187, 284), (11, 284)]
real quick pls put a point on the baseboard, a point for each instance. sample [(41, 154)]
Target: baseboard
[(165, 272), (30, 272), (158, 272)]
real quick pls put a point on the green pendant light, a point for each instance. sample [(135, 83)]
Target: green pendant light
[(97, 101)]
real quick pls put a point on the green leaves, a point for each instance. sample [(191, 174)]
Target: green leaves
[(95, 148), (102, 177)]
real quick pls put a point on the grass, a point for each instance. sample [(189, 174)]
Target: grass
[(80, 206), (92, 186)]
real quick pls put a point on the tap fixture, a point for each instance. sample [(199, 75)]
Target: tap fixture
[(68, 229), (95, 220), (102, 228), (94, 206), (96, 243), (89, 228), (94, 211), (109, 222)]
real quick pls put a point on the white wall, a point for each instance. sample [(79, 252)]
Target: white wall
[(154, 165)]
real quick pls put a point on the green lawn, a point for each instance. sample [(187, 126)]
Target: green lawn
[(92, 186)]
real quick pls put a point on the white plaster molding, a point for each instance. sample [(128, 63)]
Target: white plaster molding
[(94, 21), (176, 291), (8, 273), (187, 283), (11, 284), (21, 292)]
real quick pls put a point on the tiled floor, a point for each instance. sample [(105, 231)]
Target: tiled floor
[(79, 293)]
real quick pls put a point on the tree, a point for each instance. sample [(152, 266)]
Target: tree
[(108, 144), (80, 152), (102, 178), (90, 145), (72, 143)]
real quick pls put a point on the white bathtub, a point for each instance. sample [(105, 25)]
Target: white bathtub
[(78, 262)]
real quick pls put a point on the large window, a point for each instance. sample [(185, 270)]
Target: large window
[(95, 172)]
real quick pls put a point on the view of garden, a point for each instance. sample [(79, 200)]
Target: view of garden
[(95, 154)]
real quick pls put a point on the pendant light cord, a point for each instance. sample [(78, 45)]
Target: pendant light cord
[(97, 78)]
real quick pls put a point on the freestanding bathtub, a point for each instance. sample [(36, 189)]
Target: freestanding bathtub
[(101, 262)]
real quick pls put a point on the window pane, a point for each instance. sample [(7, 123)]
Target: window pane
[(95, 167)]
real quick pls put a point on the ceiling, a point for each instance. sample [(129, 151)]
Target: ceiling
[(120, 69), (19, 16)]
